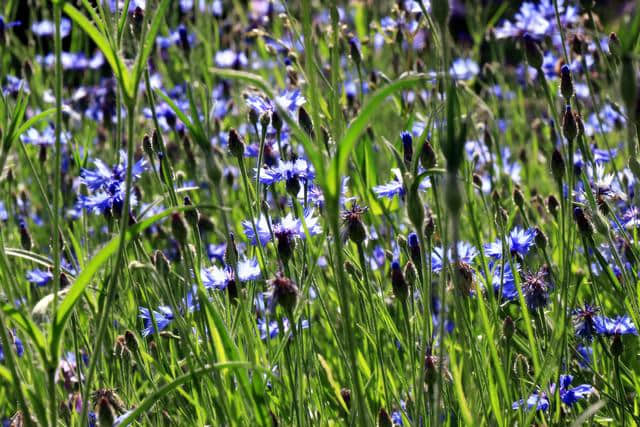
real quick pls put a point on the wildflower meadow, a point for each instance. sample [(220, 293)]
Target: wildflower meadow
[(319, 213)]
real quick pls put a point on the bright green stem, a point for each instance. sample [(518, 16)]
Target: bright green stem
[(53, 405)]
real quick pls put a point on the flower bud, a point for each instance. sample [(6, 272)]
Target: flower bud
[(147, 146), (157, 143), (557, 165), (569, 125), (429, 227), (304, 120), (231, 251), (566, 82), (192, 215), (411, 274), (541, 239), (518, 198), (384, 419), (553, 205), (407, 148), (254, 116), (398, 282), (508, 328), (413, 246), (354, 228), (427, 156), (354, 48), (106, 415), (285, 292), (276, 121), (614, 45), (617, 348), (161, 263), (583, 221), (25, 236), (532, 51), (236, 144)]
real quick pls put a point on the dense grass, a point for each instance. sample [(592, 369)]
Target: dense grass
[(319, 213)]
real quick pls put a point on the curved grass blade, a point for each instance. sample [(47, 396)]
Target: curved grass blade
[(115, 61), (359, 125)]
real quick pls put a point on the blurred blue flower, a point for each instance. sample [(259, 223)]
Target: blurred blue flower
[(621, 325), (48, 28), (287, 225), (39, 277)]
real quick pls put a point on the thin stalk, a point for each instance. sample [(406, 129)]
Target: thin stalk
[(53, 405)]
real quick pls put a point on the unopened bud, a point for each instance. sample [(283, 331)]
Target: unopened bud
[(532, 51), (569, 125), (566, 83), (304, 120), (236, 144)]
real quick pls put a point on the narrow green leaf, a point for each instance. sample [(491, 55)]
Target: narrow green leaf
[(359, 125), (115, 61)]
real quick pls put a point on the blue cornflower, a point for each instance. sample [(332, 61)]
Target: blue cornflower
[(4, 215), (390, 190), (17, 345), (219, 278), (15, 84), (621, 325), (519, 240), (466, 254), (585, 321), (536, 288), (464, 69), (215, 7), (538, 400), (289, 100), (272, 329), (39, 277), (216, 251), (229, 58), (163, 317), (4, 25), (584, 356), (45, 138), (48, 28), (568, 395), (288, 225), (75, 61), (395, 187), (103, 176), (504, 283), (286, 171)]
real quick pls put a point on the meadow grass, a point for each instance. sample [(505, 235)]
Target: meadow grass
[(319, 213)]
